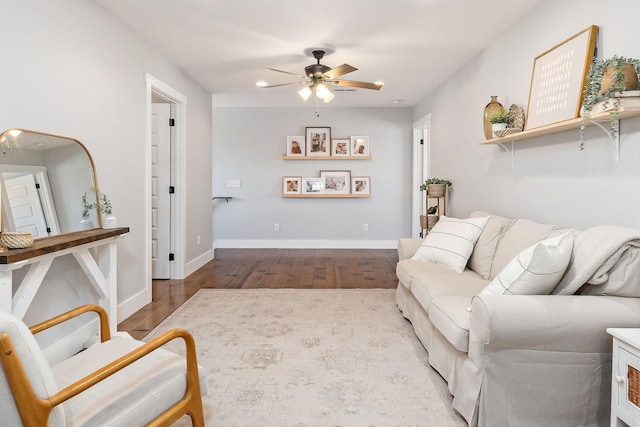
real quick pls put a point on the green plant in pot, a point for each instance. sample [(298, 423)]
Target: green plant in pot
[(606, 78), (499, 120), (436, 187)]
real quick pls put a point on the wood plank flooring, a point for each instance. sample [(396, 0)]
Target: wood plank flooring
[(269, 268)]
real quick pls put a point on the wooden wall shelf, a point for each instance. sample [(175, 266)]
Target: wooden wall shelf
[(623, 113), (326, 196), (285, 157)]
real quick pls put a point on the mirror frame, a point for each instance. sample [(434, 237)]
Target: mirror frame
[(94, 176)]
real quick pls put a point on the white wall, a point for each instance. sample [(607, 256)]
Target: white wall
[(248, 146), (551, 180), (70, 69)]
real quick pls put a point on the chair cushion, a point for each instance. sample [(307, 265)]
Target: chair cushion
[(536, 270), (485, 248), (36, 368), (133, 396), (450, 242)]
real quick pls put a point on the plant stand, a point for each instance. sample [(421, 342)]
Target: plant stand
[(441, 209)]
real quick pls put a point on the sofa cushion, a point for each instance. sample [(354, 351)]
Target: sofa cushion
[(450, 317), (427, 286), (520, 235), (407, 269), (450, 242), (485, 248), (536, 270)]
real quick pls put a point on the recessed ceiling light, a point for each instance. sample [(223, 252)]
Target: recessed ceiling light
[(396, 101), (261, 83)]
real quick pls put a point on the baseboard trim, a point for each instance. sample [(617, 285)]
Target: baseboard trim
[(195, 264), (132, 304), (305, 244)]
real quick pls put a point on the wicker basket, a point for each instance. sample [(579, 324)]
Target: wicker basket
[(16, 239)]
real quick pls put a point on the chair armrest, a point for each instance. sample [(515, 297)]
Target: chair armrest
[(193, 380), (573, 323), (105, 334), (407, 247)]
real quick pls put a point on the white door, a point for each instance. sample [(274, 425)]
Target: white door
[(160, 198), (25, 205)]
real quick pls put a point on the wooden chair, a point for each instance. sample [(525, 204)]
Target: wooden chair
[(117, 382)]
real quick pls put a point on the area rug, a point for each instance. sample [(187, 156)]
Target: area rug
[(311, 358)]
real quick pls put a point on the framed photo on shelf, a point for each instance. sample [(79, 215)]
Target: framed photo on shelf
[(295, 146), (340, 147), (318, 141), (359, 146), (558, 80), (291, 185), (336, 182), (361, 185), (313, 185)]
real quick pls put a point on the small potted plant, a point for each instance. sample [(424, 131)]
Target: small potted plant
[(85, 221), (606, 81), (104, 205), (436, 187), (499, 120)]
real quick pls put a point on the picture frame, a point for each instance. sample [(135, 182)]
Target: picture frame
[(291, 185), (360, 146), (318, 140), (295, 146), (558, 80), (341, 147), (361, 185), (312, 185), (336, 182)]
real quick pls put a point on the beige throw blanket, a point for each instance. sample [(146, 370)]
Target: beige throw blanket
[(595, 251)]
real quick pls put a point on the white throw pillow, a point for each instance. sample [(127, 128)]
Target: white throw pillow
[(536, 270), (450, 242)]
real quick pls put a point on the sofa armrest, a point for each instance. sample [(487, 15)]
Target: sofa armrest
[(407, 247), (573, 323)]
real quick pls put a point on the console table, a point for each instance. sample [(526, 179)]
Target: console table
[(95, 250)]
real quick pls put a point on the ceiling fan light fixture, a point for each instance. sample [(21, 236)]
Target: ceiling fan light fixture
[(329, 98), (305, 92), (322, 91)]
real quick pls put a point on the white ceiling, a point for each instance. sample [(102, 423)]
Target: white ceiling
[(410, 45)]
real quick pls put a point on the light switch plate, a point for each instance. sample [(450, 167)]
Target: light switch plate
[(233, 183)]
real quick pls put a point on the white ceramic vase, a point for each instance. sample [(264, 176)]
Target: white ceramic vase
[(86, 223), (109, 221)]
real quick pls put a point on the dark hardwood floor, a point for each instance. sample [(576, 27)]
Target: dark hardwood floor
[(269, 268)]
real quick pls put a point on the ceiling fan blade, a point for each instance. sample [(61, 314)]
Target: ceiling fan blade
[(285, 72), (285, 84), (362, 85), (340, 70)]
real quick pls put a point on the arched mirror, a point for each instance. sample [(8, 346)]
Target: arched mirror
[(43, 178)]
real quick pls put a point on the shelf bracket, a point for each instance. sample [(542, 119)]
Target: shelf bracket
[(512, 150), (613, 136)]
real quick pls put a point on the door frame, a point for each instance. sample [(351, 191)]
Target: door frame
[(420, 170), (177, 233)]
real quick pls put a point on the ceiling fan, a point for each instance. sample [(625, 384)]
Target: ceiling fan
[(319, 76)]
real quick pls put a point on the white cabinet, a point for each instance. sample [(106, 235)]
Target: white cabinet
[(625, 377)]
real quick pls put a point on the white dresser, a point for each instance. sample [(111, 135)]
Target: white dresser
[(625, 377)]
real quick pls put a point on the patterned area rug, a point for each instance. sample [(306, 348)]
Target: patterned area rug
[(317, 357)]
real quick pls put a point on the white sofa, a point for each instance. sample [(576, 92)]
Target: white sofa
[(519, 360)]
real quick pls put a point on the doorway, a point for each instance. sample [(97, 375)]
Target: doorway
[(421, 144), (165, 172)]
